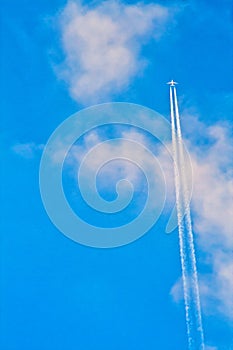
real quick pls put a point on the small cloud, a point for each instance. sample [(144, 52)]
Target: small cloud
[(177, 291), (120, 168), (102, 45), (27, 150)]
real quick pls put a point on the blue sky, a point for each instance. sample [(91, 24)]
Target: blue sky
[(56, 293)]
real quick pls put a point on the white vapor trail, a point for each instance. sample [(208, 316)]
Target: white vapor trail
[(187, 251)]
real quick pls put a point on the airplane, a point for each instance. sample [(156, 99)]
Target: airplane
[(172, 83)]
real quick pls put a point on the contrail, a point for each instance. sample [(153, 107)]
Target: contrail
[(187, 251), (179, 215)]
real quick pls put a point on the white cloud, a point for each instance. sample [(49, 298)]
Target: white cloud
[(212, 201), (213, 189), (27, 150), (212, 208), (124, 169), (177, 291), (213, 224), (102, 45)]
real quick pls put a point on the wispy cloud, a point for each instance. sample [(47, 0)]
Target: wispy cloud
[(102, 45), (212, 207), (212, 200), (27, 150), (125, 169)]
